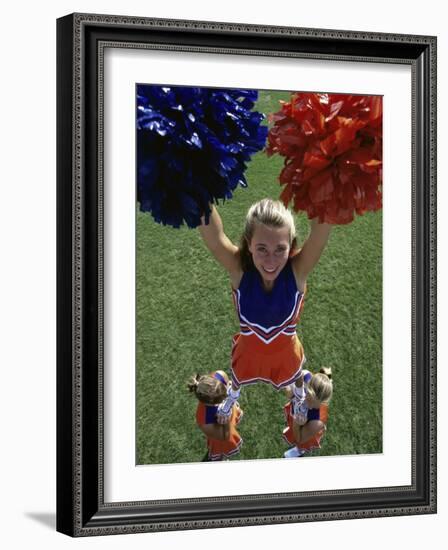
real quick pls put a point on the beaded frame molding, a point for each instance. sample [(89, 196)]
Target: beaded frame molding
[(81, 509)]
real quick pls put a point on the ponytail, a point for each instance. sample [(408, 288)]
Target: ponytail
[(193, 383), (326, 371)]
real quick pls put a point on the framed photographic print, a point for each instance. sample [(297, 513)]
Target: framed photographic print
[(246, 274)]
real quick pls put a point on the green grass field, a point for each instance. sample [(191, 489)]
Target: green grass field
[(185, 322)]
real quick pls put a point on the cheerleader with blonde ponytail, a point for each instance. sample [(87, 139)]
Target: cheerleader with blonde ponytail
[(307, 425), (223, 440)]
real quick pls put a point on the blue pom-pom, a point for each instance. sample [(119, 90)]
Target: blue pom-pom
[(192, 148)]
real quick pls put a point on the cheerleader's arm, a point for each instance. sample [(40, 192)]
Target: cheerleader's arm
[(307, 431), (289, 392), (220, 432), (222, 248), (304, 262)]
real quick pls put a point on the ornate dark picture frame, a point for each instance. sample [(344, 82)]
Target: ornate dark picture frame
[(81, 509)]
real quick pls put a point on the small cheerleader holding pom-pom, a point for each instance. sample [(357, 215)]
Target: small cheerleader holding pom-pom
[(307, 420), (223, 440)]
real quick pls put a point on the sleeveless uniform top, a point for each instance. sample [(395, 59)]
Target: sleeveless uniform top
[(267, 348), (267, 315)]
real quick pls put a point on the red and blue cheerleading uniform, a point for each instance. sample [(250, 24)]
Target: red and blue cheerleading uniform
[(267, 348), (217, 449), (207, 414), (312, 414)]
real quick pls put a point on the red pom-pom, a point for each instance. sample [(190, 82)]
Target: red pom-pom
[(332, 144)]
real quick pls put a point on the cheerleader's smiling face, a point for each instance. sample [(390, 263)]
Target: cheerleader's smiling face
[(270, 248)]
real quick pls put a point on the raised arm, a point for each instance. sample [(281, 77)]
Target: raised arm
[(222, 248), (304, 262)]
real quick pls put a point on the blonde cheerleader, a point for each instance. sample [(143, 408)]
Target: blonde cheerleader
[(223, 440), (268, 275), (306, 426)]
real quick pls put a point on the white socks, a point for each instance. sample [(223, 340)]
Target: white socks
[(293, 452)]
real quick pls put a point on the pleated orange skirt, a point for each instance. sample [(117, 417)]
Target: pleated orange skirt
[(277, 363)]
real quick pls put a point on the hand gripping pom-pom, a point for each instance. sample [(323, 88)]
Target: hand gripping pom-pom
[(332, 144), (192, 148)]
